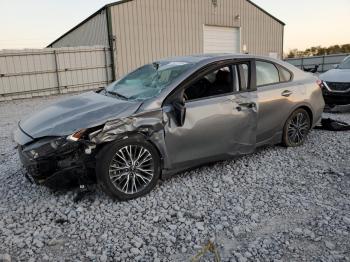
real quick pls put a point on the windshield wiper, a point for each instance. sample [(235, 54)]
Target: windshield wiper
[(116, 94)]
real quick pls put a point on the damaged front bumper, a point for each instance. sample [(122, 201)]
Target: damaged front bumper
[(57, 163), (68, 161)]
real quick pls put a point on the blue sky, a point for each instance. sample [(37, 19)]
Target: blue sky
[(36, 23)]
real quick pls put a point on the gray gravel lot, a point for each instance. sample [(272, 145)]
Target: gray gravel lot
[(282, 204)]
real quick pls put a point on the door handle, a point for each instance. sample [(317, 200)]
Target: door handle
[(248, 105), (245, 105), (286, 93)]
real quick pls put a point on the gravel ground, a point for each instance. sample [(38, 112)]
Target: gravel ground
[(277, 204)]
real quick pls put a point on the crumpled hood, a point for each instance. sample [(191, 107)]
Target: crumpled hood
[(336, 75), (77, 112)]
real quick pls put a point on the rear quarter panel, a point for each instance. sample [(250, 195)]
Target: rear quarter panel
[(311, 95), (274, 109), (314, 99)]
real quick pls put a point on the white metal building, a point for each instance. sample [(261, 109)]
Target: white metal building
[(141, 31)]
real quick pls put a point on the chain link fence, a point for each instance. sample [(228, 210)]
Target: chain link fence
[(324, 63)]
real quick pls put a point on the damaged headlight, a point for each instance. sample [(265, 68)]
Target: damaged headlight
[(45, 147), (34, 154), (57, 143), (61, 145)]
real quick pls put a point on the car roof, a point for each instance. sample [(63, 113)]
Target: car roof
[(203, 57), (207, 58), (201, 60)]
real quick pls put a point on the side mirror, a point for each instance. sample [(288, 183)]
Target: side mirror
[(179, 112), (335, 66)]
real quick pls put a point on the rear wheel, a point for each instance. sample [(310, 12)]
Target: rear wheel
[(296, 128), (128, 169)]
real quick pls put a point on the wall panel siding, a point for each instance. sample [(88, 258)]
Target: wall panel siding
[(147, 30), (28, 73), (92, 32)]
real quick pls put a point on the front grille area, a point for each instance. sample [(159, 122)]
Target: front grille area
[(335, 86), (41, 169)]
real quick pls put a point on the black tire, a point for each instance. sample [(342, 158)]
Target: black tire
[(288, 139), (104, 163)]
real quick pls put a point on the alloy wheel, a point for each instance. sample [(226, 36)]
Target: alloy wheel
[(131, 169), (298, 128)]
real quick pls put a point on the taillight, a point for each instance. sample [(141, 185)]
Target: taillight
[(320, 83)]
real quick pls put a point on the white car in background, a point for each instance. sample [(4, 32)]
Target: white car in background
[(335, 84)]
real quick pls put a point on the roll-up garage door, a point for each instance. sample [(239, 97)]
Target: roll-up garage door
[(218, 39)]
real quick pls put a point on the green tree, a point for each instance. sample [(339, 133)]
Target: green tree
[(319, 50)]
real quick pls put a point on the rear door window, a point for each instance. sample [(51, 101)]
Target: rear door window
[(266, 73)]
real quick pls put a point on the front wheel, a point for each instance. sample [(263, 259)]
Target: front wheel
[(296, 128), (128, 169)]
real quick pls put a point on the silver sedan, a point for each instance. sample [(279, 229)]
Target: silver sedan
[(168, 116)]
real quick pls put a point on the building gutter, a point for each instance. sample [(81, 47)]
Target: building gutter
[(111, 40), (282, 43)]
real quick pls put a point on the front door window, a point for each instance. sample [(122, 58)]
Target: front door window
[(217, 82)]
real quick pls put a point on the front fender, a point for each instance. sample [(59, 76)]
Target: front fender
[(144, 126)]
